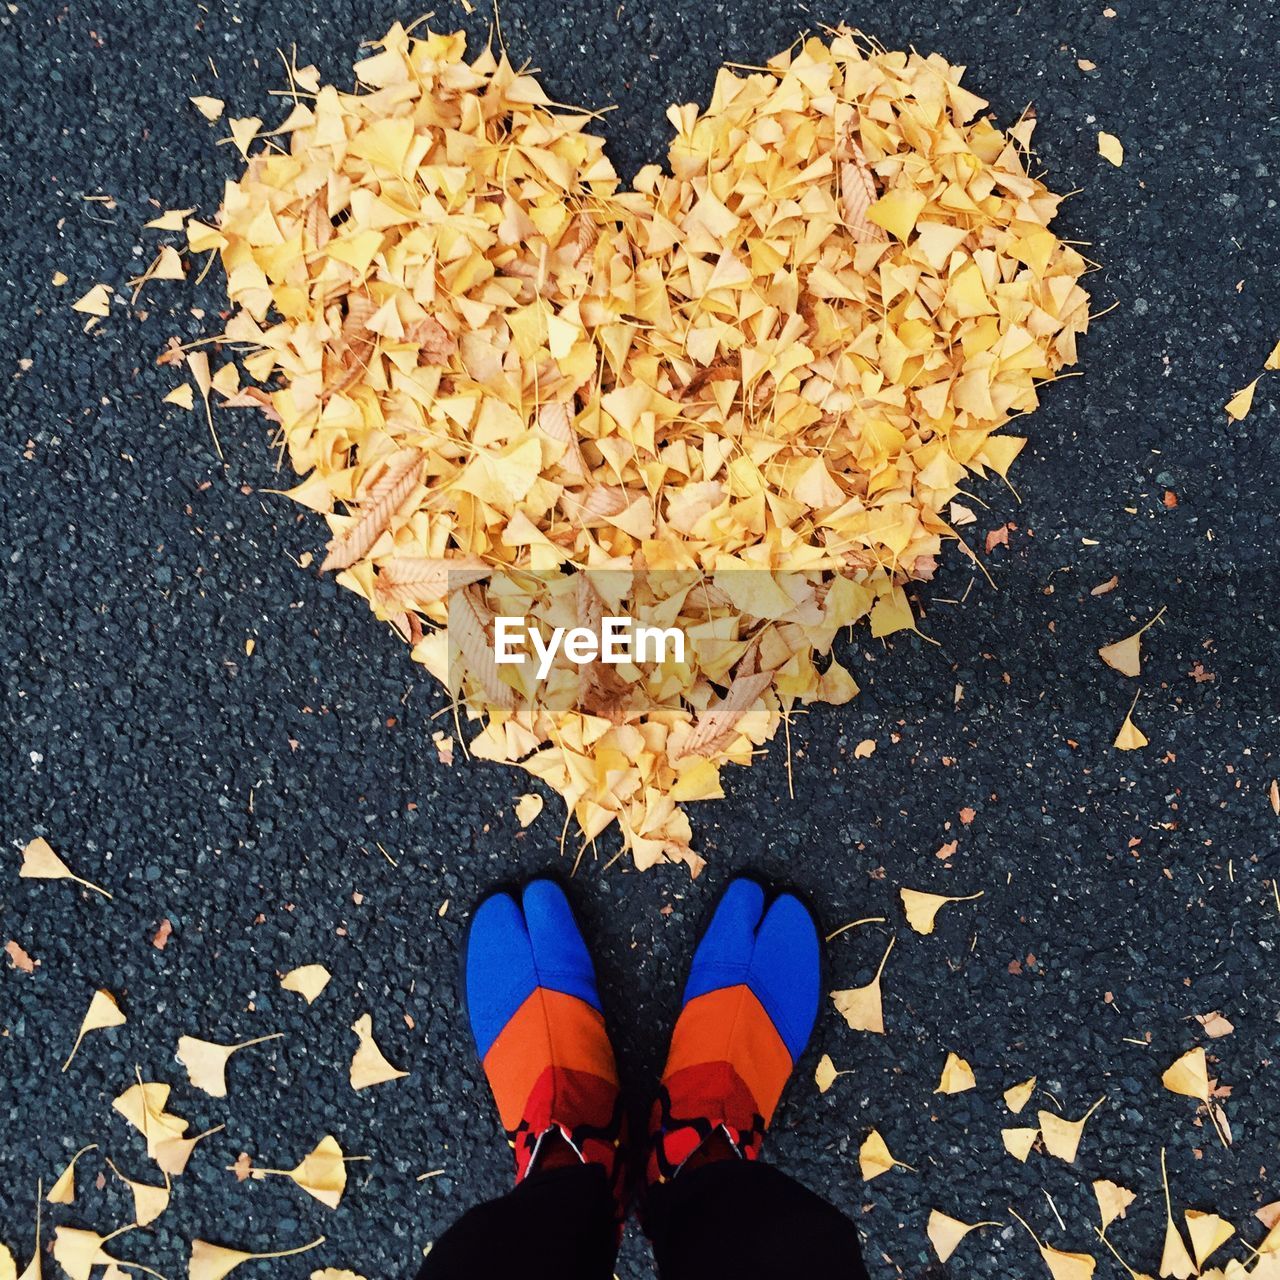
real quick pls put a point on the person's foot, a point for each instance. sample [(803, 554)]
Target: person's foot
[(749, 1008), (529, 989)]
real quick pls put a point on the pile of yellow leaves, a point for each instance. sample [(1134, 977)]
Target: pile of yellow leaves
[(500, 373)]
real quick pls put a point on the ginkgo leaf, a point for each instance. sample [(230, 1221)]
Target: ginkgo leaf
[(945, 1232), (308, 980), (103, 1012), (957, 1076), (206, 1062), (1130, 737), (1062, 1137), (368, 1066), (1062, 1265), (1239, 405), (213, 1261), (1208, 1233), (1189, 1075), (78, 1251), (97, 302), (322, 1173), (63, 1190), (874, 1158), (1110, 148), (1215, 1024), (1018, 1142), (149, 1202), (1125, 656), (210, 108), (863, 1007), (528, 807), (825, 1074), (183, 395), (333, 1273), (8, 1268), (39, 862), (922, 908), (172, 1154), (1017, 1096), (1113, 1200), (34, 1269), (1174, 1259)]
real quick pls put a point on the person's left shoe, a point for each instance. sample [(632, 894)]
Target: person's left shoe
[(529, 989)]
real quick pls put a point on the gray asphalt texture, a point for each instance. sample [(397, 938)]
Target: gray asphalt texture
[(243, 798)]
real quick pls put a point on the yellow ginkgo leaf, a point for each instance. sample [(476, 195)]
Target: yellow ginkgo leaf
[(1130, 737), (333, 1273), (1113, 1200), (103, 1012), (957, 1076), (1273, 360), (922, 908), (143, 1105), (1189, 1075), (182, 395), (1208, 1233), (368, 1066), (1062, 1265), (322, 1173), (528, 807), (1062, 1137), (308, 980), (78, 1251), (863, 1007), (1018, 1142), (1068, 1266), (170, 219), (210, 108), (1125, 656), (39, 862), (172, 1154), (149, 1202), (1239, 405), (8, 1268), (945, 1232), (63, 1190), (1175, 1261), (874, 1157), (206, 1062), (1017, 1096), (97, 302), (213, 1261), (1110, 148), (825, 1073)]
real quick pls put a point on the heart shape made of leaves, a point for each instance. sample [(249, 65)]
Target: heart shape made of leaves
[(738, 397)]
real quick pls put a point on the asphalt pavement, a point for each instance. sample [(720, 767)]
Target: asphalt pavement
[(287, 806)]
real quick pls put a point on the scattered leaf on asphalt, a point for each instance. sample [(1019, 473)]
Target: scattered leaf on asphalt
[(1113, 1200), (63, 1190), (149, 1201), (863, 1007), (957, 1076), (1130, 737), (945, 1232), (1062, 1265), (39, 862), (1214, 1024), (1017, 1096), (1189, 1075), (97, 302), (19, 959), (1174, 1260), (213, 1261), (103, 1012), (369, 1067), (1125, 656), (528, 806), (206, 1062), (308, 980), (1062, 1137), (1018, 1142), (1110, 148), (210, 108), (322, 1173), (1239, 405), (922, 908), (874, 1158), (1208, 1233)]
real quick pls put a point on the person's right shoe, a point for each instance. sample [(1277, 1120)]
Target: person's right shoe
[(749, 1009)]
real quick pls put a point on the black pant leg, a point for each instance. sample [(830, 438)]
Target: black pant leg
[(556, 1225), (750, 1221)]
